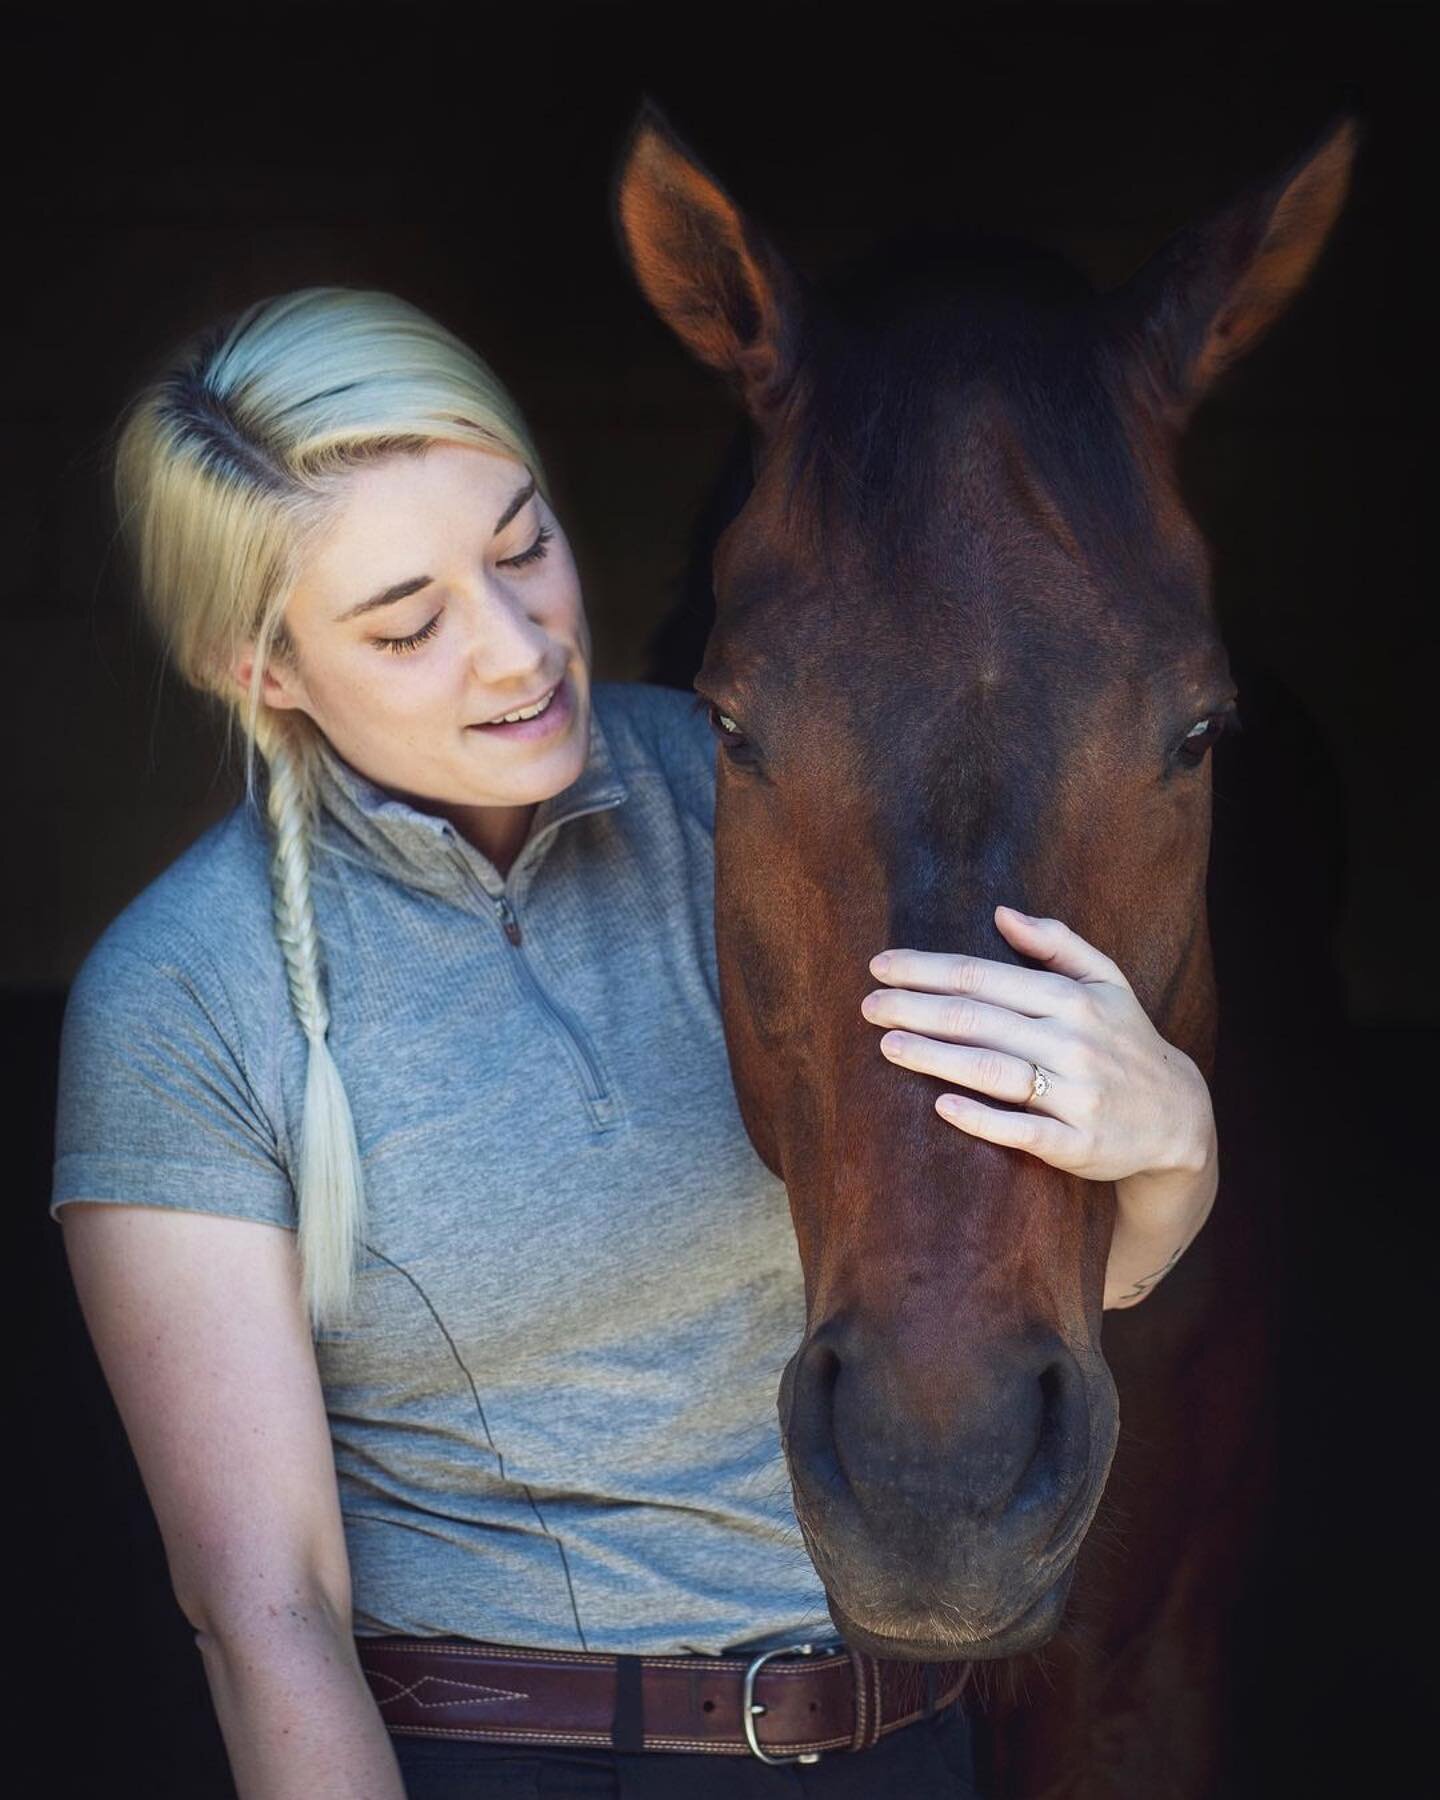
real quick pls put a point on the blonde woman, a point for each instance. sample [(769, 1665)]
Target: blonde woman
[(440, 1290)]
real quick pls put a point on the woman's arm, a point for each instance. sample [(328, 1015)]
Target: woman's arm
[(1158, 1215), (198, 1324)]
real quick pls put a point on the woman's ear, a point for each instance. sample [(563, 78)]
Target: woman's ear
[(280, 685), (1210, 294)]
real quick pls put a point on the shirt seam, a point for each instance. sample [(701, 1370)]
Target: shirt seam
[(227, 1029)]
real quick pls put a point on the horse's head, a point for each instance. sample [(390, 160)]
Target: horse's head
[(964, 652)]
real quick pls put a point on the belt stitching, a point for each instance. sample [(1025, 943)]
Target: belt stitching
[(865, 1670), (602, 1739)]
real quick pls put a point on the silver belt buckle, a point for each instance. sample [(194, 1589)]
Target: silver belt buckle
[(749, 1706)]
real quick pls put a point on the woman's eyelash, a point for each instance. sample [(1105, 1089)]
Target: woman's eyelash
[(533, 554), (399, 646)]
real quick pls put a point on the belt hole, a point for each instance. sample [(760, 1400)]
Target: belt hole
[(709, 1706)]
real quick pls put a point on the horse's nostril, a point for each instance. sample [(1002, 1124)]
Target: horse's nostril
[(810, 1439), (1002, 1433), (1056, 1462)]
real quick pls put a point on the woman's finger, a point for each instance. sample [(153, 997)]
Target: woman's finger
[(1050, 1139), (956, 1018), (993, 1072), (1035, 992), (1052, 942)]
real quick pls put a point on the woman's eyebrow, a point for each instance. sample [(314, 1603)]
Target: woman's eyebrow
[(403, 589), (516, 501)]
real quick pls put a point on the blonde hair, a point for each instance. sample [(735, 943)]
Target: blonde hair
[(228, 461)]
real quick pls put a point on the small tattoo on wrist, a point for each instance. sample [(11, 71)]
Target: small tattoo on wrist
[(1146, 1282)]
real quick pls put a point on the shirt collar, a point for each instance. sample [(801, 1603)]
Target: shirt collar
[(366, 821)]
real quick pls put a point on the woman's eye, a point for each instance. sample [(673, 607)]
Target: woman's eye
[(533, 554), (399, 646)]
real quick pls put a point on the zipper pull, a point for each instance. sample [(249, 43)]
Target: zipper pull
[(509, 921)]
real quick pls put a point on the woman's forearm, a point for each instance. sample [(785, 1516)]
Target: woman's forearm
[(1158, 1215), (296, 1712)]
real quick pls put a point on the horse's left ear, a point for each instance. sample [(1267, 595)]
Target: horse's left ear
[(1210, 294), (707, 269)]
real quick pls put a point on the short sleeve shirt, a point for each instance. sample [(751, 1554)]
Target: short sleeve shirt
[(554, 1409)]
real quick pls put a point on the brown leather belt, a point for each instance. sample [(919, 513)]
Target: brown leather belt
[(788, 1704)]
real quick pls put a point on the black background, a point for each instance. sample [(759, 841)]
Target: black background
[(186, 164)]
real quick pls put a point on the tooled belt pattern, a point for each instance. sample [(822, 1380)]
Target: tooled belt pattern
[(435, 1688)]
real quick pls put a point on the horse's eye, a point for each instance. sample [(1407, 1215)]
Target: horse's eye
[(721, 722), (735, 748), (1203, 733)]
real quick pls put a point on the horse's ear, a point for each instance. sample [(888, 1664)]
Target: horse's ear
[(709, 271), (1209, 295)]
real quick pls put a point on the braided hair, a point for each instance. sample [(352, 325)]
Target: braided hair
[(228, 460)]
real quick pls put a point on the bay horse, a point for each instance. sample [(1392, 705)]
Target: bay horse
[(964, 651)]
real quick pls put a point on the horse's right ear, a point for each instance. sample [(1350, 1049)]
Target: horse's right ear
[(1209, 295), (707, 268)]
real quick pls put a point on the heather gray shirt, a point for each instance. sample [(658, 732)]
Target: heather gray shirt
[(554, 1415)]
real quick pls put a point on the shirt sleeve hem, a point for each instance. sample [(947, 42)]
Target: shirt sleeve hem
[(181, 1186)]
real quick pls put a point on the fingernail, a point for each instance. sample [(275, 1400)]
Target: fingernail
[(881, 962)]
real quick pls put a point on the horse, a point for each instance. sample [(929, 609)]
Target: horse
[(961, 649)]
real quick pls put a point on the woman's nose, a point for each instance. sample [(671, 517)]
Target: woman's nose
[(505, 642)]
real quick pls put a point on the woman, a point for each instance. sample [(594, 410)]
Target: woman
[(438, 1000)]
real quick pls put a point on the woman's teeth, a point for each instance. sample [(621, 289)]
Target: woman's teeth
[(532, 712)]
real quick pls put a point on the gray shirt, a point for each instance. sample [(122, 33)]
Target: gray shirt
[(554, 1412)]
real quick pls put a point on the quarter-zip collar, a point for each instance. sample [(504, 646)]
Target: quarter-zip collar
[(423, 849)]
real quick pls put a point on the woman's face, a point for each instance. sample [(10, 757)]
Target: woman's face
[(443, 595)]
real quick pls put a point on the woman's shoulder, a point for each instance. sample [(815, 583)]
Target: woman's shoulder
[(168, 1089), (205, 916), (664, 730)]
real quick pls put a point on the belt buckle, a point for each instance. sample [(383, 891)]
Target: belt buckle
[(749, 1706)]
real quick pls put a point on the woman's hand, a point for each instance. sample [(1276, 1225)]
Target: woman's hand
[(1121, 1101), (1122, 1105)]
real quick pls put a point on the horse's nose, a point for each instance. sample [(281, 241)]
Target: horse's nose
[(995, 1433)]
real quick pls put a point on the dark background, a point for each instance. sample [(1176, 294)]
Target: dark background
[(461, 157)]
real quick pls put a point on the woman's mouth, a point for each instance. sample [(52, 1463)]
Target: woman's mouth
[(556, 710)]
